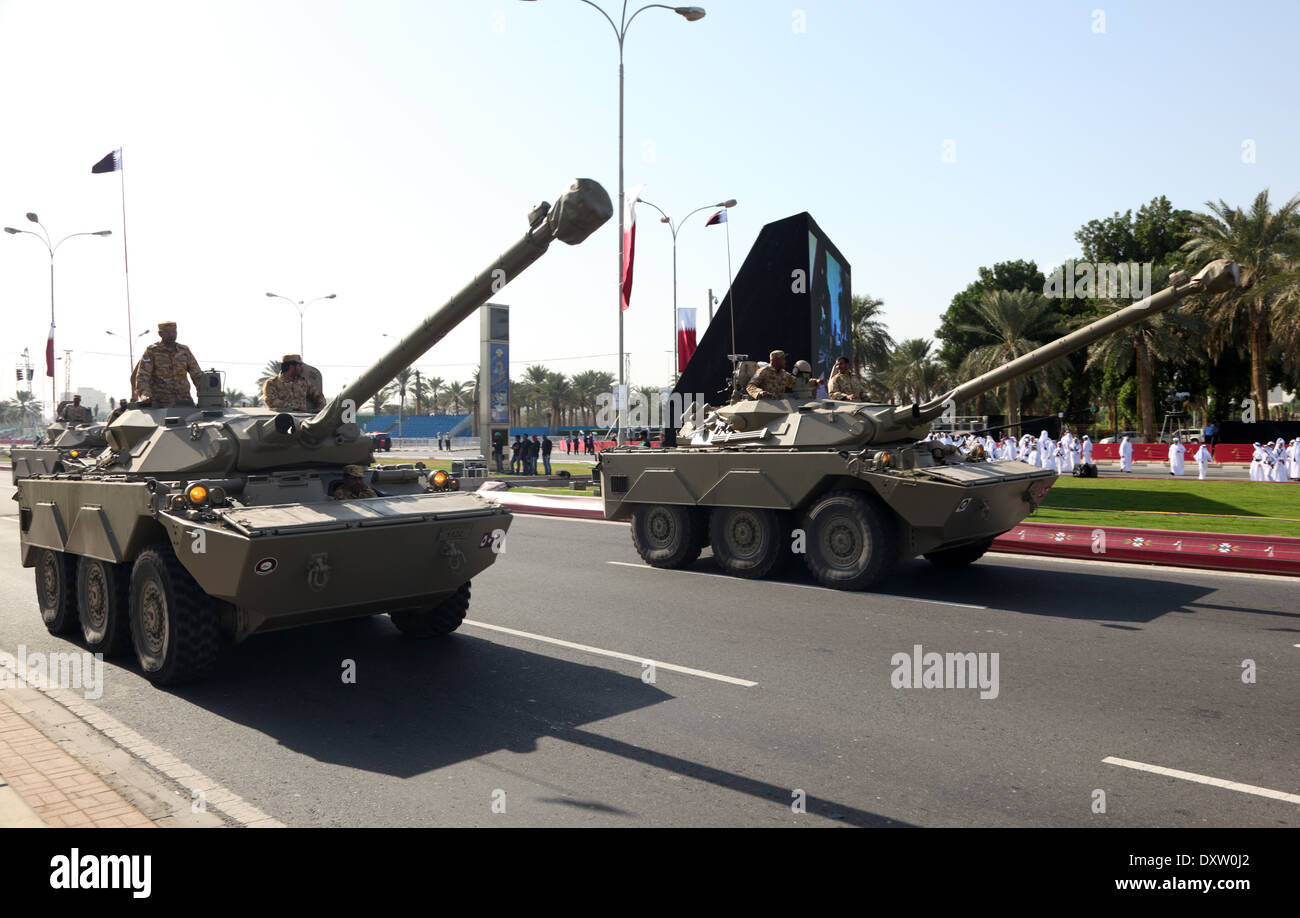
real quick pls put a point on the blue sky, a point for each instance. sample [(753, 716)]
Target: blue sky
[(386, 151)]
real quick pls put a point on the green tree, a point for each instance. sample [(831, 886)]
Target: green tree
[(1266, 246), (1011, 324), (1156, 235), (871, 340), (272, 369), (1011, 276)]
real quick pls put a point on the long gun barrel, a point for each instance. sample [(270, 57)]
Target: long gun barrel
[(574, 217), (1215, 277)]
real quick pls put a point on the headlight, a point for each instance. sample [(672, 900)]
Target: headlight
[(440, 478), (197, 494)]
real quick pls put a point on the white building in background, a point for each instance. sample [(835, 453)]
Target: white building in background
[(96, 401)]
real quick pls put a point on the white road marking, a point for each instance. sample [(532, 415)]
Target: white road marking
[(633, 658), (1204, 779), (801, 586), (995, 555)]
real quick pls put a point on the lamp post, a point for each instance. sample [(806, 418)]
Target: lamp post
[(690, 14), (44, 236), (664, 218), (130, 358), (302, 308)]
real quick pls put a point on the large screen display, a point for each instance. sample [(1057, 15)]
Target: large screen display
[(832, 308)]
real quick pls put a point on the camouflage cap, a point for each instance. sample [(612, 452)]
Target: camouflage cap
[(802, 366), (354, 471), (775, 354), (291, 358), (166, 325)]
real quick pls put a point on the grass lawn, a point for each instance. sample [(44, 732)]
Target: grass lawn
[(1238, 507)]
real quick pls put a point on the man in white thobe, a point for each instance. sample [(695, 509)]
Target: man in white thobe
[(1258, 463), (1203, 461), (1279, 458), (1176, 451), (1085, 450), (1125, 455)]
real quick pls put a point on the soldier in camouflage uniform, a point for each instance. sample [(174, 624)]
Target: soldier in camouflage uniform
[(74, 412), (354, 484), (289, 391), (160, 376), (845, 385), (772, 381)]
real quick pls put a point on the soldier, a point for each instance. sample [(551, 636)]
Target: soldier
[(74, 412), (118, 411), (845, 385), (772, 381), (354, 484), (289, 391), (160, 377)]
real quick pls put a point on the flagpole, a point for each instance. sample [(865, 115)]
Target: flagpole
[(731, 297), (126, 268)]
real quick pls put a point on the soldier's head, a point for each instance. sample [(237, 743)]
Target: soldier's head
[(291, 366), (842, 365), (167, 332), (354, 477), (777, 360), (76, 399)]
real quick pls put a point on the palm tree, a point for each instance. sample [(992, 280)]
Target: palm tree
[(382, 396), (871, 340), (234, 397), (271, 369), (1167, 337), (1013, 324), (454, 396), (403, 383), (913, 374), (588, 386), (1266, 246), (556, 392), (433, 388)]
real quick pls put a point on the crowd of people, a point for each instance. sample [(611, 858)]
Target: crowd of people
[(1276, 461), (1062, 456)]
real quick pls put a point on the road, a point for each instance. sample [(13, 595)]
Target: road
[(762, 690)]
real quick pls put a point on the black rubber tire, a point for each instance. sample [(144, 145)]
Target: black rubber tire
[(175, 628), (851, 540), (56, 590), (103, 606), (959, 557), (748, 542), (668, 536), (438, 620)]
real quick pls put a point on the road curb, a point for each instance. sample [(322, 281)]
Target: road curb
[(1203, 550)]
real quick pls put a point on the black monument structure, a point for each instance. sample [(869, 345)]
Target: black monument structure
[(792, 293)]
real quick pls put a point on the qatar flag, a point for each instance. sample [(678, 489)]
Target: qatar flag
[(685, 336), (629, 240), (49, 353)]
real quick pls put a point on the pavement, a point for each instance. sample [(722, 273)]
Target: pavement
[(587, 689)]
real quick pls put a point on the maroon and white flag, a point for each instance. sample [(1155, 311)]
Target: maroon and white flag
[(630, 197), (719, 217), (49, 353), (685, 336)]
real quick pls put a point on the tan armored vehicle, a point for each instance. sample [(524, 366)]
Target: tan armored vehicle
[(849, 485), (201, 524), (67, 446)]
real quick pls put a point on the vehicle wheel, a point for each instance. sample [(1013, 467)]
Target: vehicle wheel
[(851, 540), (103, 606), (174, 625), (959, 557), (56, 591), (667, 536), (747, 541), (443, 618)]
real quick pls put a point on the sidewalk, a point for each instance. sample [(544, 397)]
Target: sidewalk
[(42, 785)]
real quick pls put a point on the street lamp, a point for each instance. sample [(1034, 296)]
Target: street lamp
[(44, 237), (302, 308), (664, 218), (130, 357), (690, 14)]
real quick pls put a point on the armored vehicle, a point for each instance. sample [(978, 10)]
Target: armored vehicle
[(67, 446), (201, 525), (849, 485)]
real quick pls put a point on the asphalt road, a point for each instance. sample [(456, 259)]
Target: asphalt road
[(1094, 661)]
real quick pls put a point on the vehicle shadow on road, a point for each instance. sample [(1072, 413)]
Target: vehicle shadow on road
[(419, 706)]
